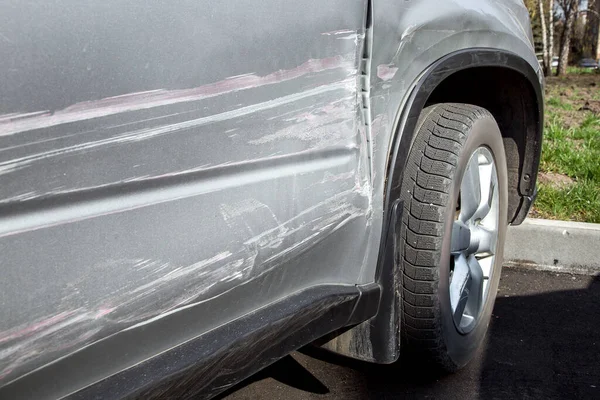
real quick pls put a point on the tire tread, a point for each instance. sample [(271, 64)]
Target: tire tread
[(425, 192)]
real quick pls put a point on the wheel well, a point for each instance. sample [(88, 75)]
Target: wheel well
[(511, 99), (507, 86)]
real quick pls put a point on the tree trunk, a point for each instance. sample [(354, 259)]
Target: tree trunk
[(596, 15), (547, 69), (570, 15), (551, 32), (598, 45), (590, 38)]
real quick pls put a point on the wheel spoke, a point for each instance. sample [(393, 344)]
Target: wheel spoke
[(460, 309), (459, 287), (470, 190), (475, 287), (461, 237), (487, 173), (486, 239)]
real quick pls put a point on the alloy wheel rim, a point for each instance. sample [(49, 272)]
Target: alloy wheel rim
[(474, 240)]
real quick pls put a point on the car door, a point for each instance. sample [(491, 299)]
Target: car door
[(165, 156)]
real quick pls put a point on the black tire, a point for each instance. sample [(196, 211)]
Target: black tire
[(447, 136)]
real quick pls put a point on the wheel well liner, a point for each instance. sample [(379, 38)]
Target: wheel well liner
[(510, 98)]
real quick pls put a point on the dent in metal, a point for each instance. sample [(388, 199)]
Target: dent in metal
[(13, 123), (141, 204)]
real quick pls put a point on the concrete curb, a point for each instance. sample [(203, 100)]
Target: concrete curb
[(558, 246)]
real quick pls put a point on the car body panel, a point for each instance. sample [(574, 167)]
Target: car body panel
[(169, 168), (156, 156)]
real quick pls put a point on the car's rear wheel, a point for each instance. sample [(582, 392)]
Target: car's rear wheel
[(454, 195)]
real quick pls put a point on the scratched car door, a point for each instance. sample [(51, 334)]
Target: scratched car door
[(157, 156)]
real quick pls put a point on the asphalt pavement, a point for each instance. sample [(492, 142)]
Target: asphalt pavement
[(543, 343)]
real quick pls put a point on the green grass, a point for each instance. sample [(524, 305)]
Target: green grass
[(580, 71), (575, 153), (556, 102), (579, 202)]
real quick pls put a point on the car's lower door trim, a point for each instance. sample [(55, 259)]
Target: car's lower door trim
[(214, 361)]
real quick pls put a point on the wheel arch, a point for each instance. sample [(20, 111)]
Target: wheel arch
[(522, 143), (520, 90), (504, 84)]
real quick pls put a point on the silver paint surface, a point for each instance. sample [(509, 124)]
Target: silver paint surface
[(155, 156)]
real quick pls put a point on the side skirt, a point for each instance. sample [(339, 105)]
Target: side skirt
[(215, 361)]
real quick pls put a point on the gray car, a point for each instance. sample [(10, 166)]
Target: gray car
[(588, 63), (190, 190)]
